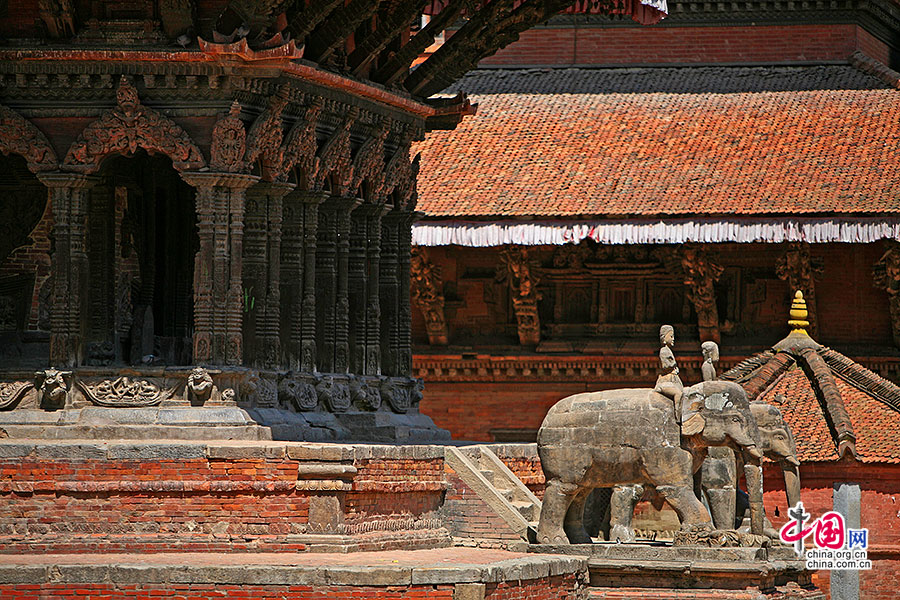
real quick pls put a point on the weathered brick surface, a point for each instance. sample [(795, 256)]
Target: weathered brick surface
[(53, 503), (468, 516)]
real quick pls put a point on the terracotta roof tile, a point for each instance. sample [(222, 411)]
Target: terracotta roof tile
[(825, 141)]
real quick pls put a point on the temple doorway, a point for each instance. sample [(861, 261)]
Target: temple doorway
[(141, 240)]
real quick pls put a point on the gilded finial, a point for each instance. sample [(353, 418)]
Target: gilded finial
[(799, 314)]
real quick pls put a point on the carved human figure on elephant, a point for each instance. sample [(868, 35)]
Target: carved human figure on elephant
[(624, 437)]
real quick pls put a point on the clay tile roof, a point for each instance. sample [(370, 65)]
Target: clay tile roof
[(639, 142), (834, 406)]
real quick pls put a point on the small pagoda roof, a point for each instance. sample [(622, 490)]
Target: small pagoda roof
[(706, 154), (836, 408)]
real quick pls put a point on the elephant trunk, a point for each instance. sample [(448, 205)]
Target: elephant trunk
[(791, 482), (753, 476)]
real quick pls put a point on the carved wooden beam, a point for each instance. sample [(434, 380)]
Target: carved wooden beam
[(389, 27), (523, 289), (322, 43), (428, 295), (397, 68), (701, 271), (304, 20), (494, 26)]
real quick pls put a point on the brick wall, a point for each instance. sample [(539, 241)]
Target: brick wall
[(33, 259), (190, 502), (668, 45)]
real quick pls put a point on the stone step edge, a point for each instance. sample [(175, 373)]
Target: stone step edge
[(145, 572)]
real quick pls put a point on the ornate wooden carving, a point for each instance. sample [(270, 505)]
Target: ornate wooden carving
[(229, 142), (19, 136), (428, 295), (58, 17), (130, 126), (335, 160), (218, 266), (800, 270), (389, 293), (404, 313), (701, 271), (390, 25), (523, 288), (177, 16), (399, 169), (341, 23), (358, 288), (300, 146), (373, 300), (886, 274), (307, 17), (264, 139), (368, 164)]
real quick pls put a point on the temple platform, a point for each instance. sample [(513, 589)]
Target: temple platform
[(457, 573)]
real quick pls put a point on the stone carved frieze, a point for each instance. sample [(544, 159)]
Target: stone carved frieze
[(53, 387), (301, 145), (261, 391), (701, 272), (229, 143), (200, 384), (265, 137), (427, 293), (800, 270), (335, 395), (365, 395), (517, 271), (397, 395), (127, 127), (886, 276), (11, 392), (19, 136), (334, 157), (300, 394), (124, 392)]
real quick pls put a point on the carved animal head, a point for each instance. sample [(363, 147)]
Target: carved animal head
[(725, 418), (776, 438)]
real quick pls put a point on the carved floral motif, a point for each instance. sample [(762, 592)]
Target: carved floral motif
[(229, 143), (124, 392), (19, 136), (13, 391), (130, 126)]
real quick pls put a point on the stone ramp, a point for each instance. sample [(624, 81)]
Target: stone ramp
[(449, 573)]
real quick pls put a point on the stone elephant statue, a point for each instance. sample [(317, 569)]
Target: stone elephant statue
[(631, 436), (719, 480), (727, 502)]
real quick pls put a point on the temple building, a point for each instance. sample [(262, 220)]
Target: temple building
[(606, 187), (226, 186)]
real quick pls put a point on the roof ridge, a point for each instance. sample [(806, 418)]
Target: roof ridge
[(876, 69), (747, 366), (862, 378), (823, 383)]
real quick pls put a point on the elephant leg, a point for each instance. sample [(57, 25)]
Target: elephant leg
[(670, 469), (722, 506), (621, 511), (557, 498), (574, 521)]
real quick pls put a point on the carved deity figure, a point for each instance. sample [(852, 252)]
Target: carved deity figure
[(229, 142), (886, 275), (58, 16), (710, 352), (701, 272), (523, 288), (427, 294), (201, 384)]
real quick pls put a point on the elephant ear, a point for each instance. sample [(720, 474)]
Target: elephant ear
[(693, 424)]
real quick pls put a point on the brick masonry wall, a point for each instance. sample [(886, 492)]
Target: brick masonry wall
[(194, 502), (33, 258), (676, 45)]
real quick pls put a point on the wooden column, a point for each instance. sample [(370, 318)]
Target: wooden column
[(404, 318), (332, 271), (68, 266), (298, 279), (262, 272), (373, 302), (358, 287), (218, 266), (389, 294)]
